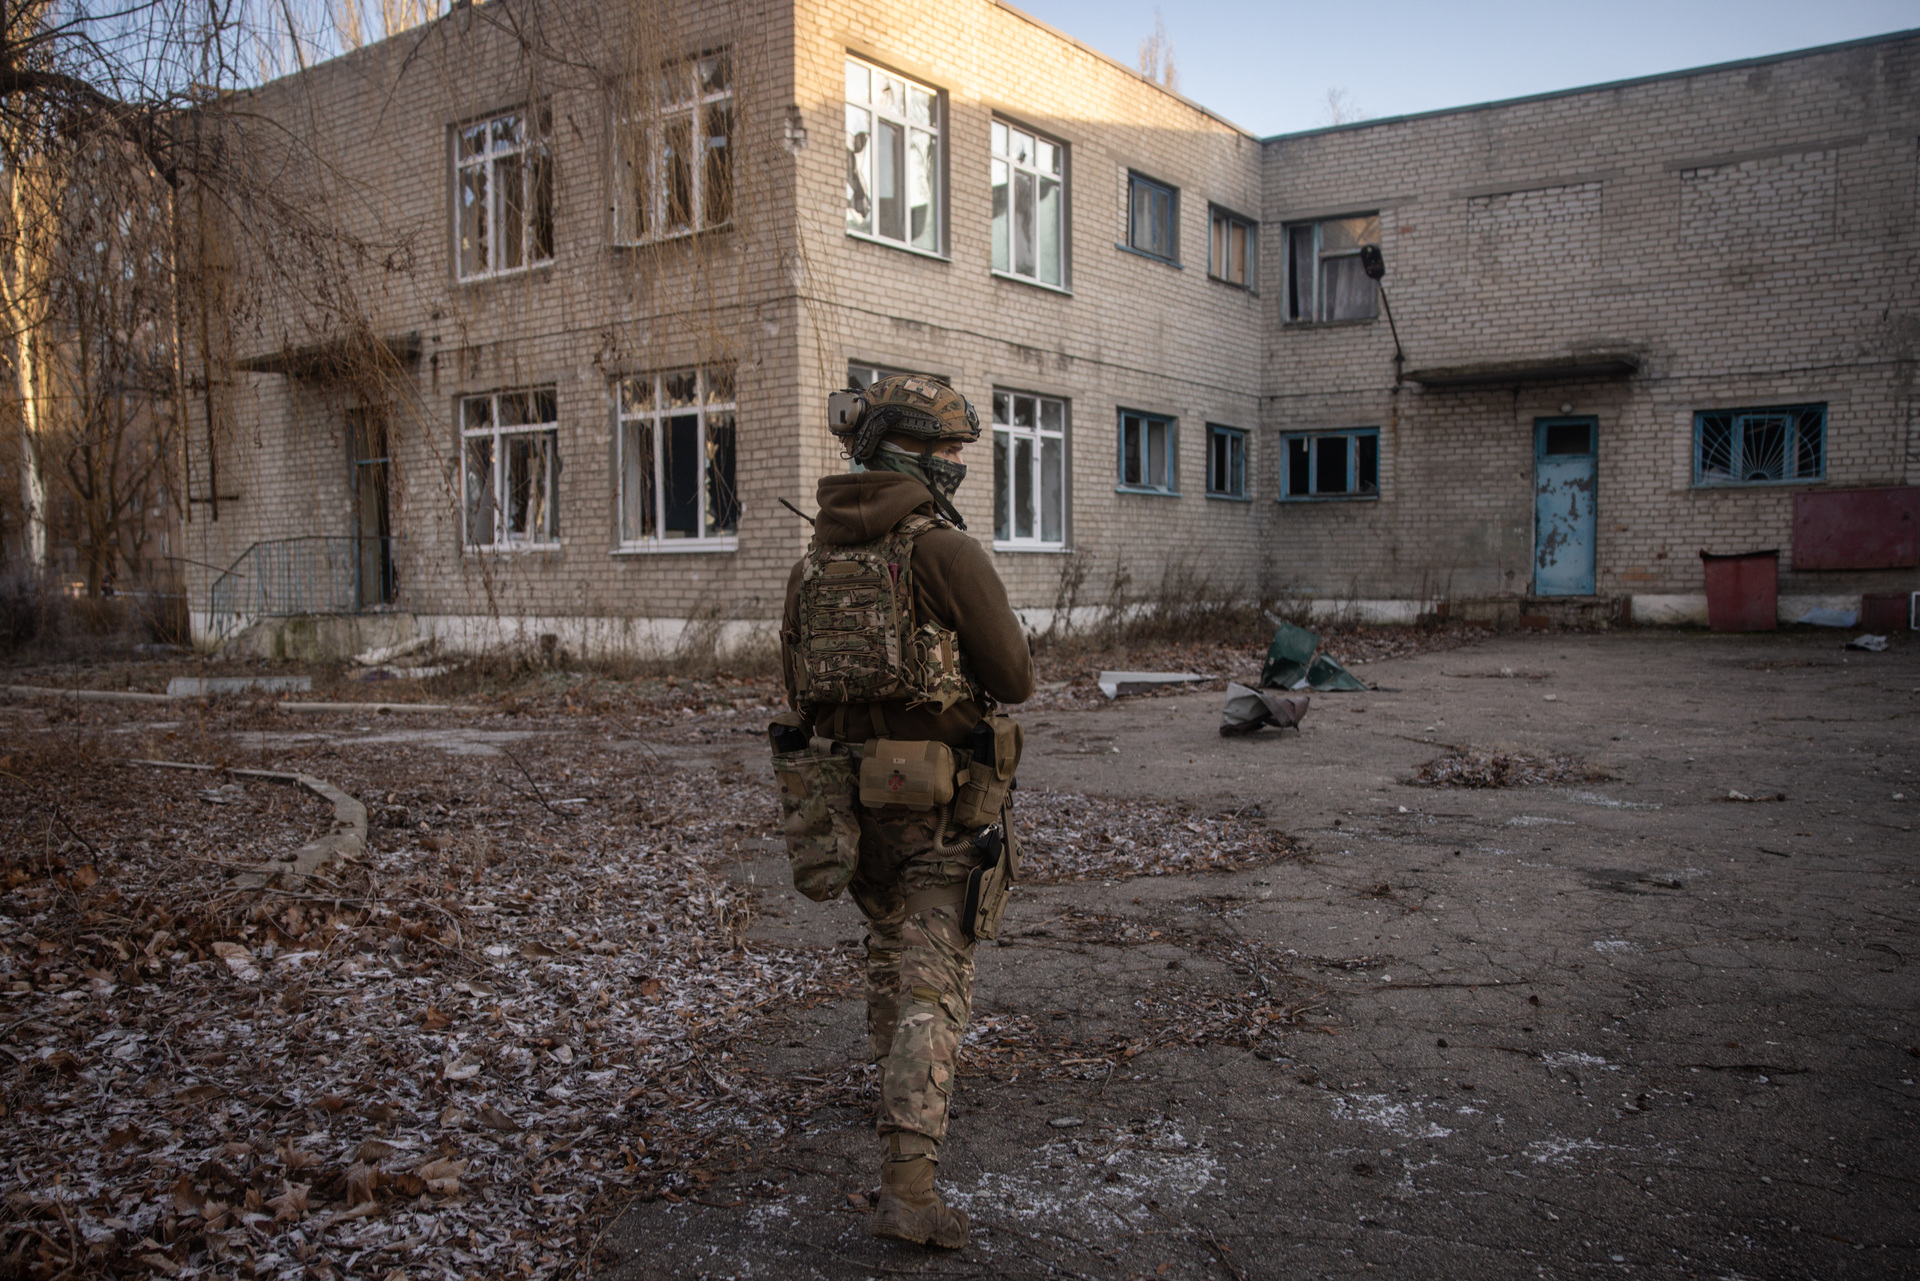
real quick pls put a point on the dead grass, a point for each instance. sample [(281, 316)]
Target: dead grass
[(1505, 765)]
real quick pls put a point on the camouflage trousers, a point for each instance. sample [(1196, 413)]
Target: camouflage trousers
[(919, 974)]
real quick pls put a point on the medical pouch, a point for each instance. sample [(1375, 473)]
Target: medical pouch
[(915, 773), (818, 820)]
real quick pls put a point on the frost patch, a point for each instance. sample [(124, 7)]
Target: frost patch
[(1608, 802), (1559, 1151), (1101, 1187), (1574, 1058), (1534, 820), (1615, 945), (1404, 1119)]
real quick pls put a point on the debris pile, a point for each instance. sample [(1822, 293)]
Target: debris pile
[(1506, 767)]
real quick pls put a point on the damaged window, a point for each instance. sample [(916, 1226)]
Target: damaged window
[(673, 144), (503, 193), (1783, 443), (1335, 464), (1029, 472), (677, 449), (1029, 205), (893, 158), (510, 442), (1147, 453), (1324, 278), (1226, 461)]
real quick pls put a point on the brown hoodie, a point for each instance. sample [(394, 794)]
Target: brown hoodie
[(953, 585)]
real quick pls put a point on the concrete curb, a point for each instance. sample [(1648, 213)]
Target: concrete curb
[(289, 871), (132, 696)]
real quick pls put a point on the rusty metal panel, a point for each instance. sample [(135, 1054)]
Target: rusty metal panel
[(1856, 528)]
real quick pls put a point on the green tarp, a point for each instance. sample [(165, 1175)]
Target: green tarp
[(1291, 664)]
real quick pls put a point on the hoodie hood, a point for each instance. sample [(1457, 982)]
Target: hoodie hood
[(863, 506)]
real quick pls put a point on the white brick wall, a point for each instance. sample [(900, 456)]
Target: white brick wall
[(1750, 232)]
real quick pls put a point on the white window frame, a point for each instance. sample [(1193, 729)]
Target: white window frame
[(1235, 440), (714, 397), (496, 483), (1220, 260), (489, 151), (1048, 416), (1316, 441), (1022, 159), (1317, 303), (691, 94), (1137, 183), (877, 97), (1136, 436)]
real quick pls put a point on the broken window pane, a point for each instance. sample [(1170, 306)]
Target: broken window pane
[(893, 158), (1002, 479), (636, 481), (504, 202), (859, 161), (479, 491), (1002, 217), (1343, 464), (675, 141), (678, 456), (1226, 462), (1330, 465), (723, 505)]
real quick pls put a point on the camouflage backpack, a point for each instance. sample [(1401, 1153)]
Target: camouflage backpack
[(857, 640)]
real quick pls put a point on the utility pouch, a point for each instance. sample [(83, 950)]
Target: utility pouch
[(996, 746), (823, 834), (991, 884), (915, 773)]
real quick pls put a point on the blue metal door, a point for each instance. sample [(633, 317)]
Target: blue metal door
[(1565, 475)]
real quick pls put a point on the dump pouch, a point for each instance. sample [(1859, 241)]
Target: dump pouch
[(996, 745), (915, 773), (823, 835)]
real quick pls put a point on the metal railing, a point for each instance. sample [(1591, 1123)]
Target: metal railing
[(316, 574)]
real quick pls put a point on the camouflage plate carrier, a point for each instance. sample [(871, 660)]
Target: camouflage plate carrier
[(857, 641)]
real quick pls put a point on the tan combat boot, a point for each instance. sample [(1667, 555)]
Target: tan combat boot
[(910, 1210)]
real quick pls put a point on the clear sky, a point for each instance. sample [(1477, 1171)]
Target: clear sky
[(1268, 66)]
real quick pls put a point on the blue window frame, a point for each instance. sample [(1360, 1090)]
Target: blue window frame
[(1226, 461), (1775, 445), (1330, 464), (1148, 452), (1153, 217)]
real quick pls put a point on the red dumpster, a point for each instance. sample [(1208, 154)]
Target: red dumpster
[(1743, 591)]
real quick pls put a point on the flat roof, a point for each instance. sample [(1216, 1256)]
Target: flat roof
[(1764, 60)]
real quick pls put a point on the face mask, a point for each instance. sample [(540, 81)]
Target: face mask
[(940, 475), (943, 474)]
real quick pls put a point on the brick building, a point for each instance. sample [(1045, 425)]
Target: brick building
[(628, 251)]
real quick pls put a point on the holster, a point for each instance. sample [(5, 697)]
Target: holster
[(982, 897), (988, 778)]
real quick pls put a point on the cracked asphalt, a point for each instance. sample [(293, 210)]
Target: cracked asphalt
[(1628, 1027)]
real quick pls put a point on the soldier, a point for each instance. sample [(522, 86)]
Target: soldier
[(908, 433)]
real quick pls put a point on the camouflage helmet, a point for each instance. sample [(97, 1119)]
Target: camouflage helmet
[(906, 404)]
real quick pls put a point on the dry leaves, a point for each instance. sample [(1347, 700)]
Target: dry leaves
[(1069, 837)]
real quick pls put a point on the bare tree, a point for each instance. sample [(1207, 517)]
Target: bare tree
[(1339, 108), (1156, 56)]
